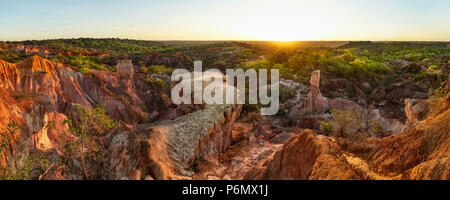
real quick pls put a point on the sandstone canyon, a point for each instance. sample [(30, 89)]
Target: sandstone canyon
[(158, 140)]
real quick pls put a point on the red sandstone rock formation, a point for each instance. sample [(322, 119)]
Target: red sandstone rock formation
[(311, 110), (171, 149), (37, 92), (420, 153), (129, 102), (416, 111), (306, 157), (316, 102), (125, 71)]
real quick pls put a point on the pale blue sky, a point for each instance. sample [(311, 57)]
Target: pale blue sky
[(227, 19)]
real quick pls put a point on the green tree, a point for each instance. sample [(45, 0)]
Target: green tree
[(90, 122), (7, 136)]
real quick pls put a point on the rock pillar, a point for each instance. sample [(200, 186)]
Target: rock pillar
[(316, 102), (125, 71)]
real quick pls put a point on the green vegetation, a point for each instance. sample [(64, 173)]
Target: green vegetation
[(88, 123), (110, 45), (433, 52), (327, 127), (376, 127), (10, 56), (419, 76), (287, 93), (102, 54), (27, 166), (378, 64), (342, 120), (84, 64), (152, 72), (257, 65), (155, 82), (159, 69), (438, 97), (334, 62), (195, 47), (7, 136)]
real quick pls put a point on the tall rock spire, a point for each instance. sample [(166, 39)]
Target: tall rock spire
[(125, 70), (316, 102)]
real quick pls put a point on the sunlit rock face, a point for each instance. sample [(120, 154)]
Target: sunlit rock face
[(37, 92), (125, 71), (49, 139), (126, 97), (421, 153), (306, 157), (33, 75), (171, 149), (416, 111), (316, 101)]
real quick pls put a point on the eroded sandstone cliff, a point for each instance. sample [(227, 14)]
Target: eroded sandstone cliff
[(420, 153), (171, 149), (203, 141), (39, 96)]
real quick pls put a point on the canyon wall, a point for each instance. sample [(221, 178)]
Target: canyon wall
[(419, 153), (171, 149)]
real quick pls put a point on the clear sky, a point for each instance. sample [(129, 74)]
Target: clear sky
[(423, 20)]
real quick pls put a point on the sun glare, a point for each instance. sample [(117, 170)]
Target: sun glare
[(296, 22)]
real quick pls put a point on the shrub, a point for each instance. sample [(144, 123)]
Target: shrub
[(327, 127), (144, 69), (7, 136), (376, 127), (24, 164), (287, 93), (419, 76), (159, 69), (85, 63), (27, 166), (155, 82), (433, 69), (343, 119)]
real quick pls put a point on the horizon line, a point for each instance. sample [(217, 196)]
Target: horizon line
[(223, 40)]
